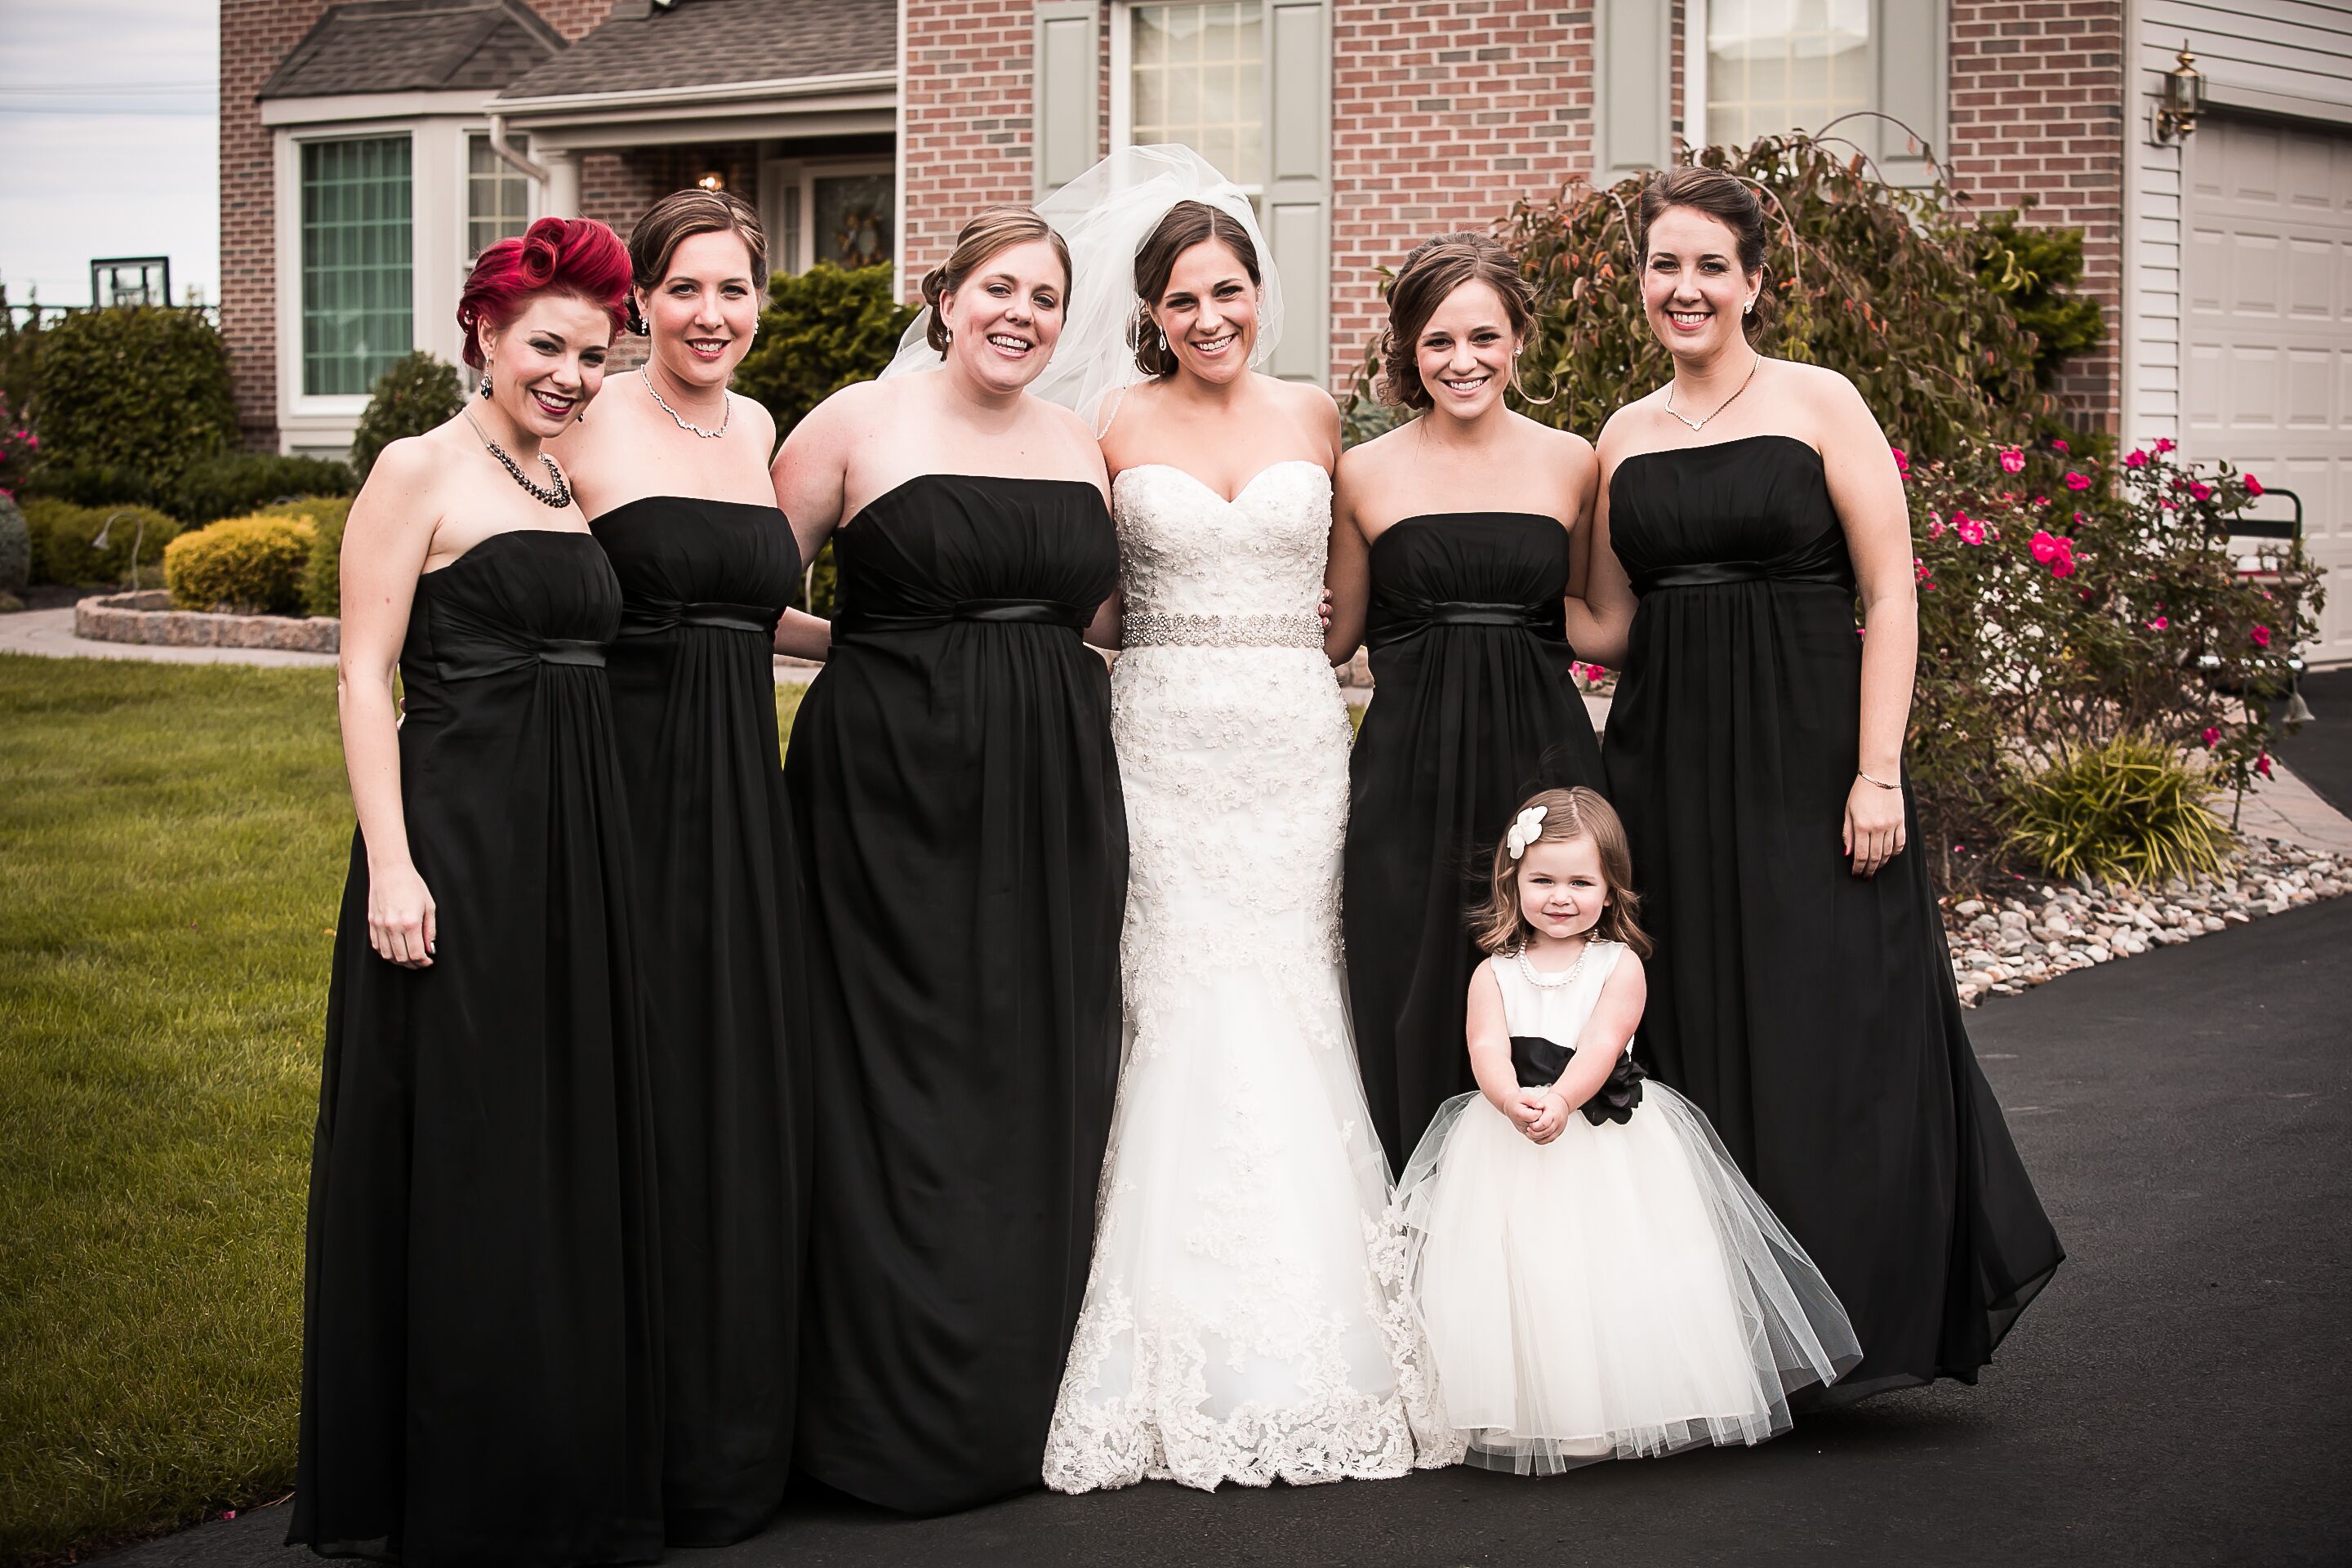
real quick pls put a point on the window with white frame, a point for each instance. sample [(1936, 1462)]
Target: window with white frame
[(839, 213), (1193, 74), (498, 195), (1773, 66), (357, 276)]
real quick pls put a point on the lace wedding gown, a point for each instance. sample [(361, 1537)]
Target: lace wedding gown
[(1245, 1319)]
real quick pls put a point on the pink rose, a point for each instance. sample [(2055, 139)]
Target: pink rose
[(2075, 481), (1935, 529), (1919, 569), (2058, 446), (2263, 765), (2158, 624), (2134, 458), (1970, 531), (2045, 546), (2262, 636), (2254, 485), (2011, 460), (2165, 443), (2212, 737), (1902, 463), (2201, 491), (2065, 566)]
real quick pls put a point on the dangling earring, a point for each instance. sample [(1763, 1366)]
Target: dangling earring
[(485, 387)]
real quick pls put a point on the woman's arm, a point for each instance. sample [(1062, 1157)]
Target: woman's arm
[(1603, 1039), (1348, 564), (385, 542), (809, 471), (1867, 492), (1489, 1035), (1600, 621)]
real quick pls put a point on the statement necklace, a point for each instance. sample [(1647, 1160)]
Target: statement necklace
[(1754, 359), (558, 495), (726, 410), (1551, 981)]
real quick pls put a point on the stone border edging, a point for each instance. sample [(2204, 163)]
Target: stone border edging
[(146, 616)]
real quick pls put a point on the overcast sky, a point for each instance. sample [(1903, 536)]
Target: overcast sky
[(109, 142)]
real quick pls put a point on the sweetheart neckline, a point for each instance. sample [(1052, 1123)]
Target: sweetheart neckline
[(1234, 499)]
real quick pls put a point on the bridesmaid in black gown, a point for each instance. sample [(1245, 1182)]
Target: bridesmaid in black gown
[(673, 471), (482, 1375), (1801, 996), (959, 821), (1450, 558)]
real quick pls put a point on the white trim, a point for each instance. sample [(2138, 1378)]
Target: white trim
[(801, 174), (534, 193), (876, 117), (1122, 74), (344, 108), (898, 279), (674, 97), (1694, 74)]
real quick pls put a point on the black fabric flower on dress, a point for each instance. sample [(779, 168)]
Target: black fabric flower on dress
[(1539, 1062)]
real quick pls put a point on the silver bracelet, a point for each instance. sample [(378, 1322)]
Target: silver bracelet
[(1880, 783)]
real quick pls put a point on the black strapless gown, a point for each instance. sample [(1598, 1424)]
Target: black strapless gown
[(694, 695), (1810, 1014), (481, 1366), (1473, 709), (957, 808)]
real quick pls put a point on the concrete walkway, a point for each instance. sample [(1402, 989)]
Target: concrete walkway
[(49, 633)]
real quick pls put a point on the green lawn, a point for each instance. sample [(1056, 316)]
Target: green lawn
[(173, 841)]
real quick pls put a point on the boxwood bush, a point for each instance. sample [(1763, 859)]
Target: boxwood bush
[(419, 393), (142, 389), (63, 538), (820, 330), (244, 565)]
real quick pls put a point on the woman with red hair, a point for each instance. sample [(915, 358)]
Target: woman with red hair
[(481, 1373)]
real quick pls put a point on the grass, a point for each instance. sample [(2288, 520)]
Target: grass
[(177, 840)]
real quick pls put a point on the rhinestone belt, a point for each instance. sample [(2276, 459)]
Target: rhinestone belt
[(1286, 628)]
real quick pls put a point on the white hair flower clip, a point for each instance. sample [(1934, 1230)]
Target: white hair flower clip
[(1525, 829)]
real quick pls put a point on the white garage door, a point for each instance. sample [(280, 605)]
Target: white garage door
[(2269, 382)]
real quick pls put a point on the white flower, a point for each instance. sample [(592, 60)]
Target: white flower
[(1525, 829)]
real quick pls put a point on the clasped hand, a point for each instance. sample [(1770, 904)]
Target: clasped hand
[(1540, 1113)]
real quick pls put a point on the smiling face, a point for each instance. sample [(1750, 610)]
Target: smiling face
[(1561, 889), (546, 363), (1692, 286), (1006, 316), (703, 313), (1209, 311), (1463, 353)]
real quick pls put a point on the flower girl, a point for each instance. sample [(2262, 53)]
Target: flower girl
[(1596, 1278)]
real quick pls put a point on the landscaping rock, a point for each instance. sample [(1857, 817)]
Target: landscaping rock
[(148, 617)]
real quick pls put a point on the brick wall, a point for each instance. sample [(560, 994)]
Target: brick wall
[(255, 35), (1444, 112), (966, 100), (2037, 122)]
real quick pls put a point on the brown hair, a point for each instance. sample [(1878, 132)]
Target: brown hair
[(679, 216), (1498, 927), (990, 231), (1431, 272), (1183, 226), (1722, 196)]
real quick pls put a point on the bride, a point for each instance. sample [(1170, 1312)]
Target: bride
[(1244, 1320)]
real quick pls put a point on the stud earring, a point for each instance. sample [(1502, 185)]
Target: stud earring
[(485, 387)]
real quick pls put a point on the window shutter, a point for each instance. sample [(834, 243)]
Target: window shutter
[(1297, 197), (1911, 57), (1633, 87), (1066, 123)]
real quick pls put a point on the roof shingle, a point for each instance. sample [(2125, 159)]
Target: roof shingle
[(407, 45), (713, 43)]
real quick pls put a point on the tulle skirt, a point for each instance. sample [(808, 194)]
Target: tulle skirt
[(1618, 1293)]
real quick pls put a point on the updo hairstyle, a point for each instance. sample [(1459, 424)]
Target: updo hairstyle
[(991, 230), (1431, 272), (578, 256), (678, 217), (1183, 226), (1719, 195)]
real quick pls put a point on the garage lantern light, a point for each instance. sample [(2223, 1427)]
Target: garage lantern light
[(2184, 99)]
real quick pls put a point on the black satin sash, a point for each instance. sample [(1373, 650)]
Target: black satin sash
[(1712, 574), (467, 646), (1539, 1062), (647, 617), (1001, 612), (1460, 612)]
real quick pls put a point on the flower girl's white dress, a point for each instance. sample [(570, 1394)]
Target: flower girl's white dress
[(1619, 1292)]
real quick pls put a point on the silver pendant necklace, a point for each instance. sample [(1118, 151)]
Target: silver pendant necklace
[(1754, 359), (726, 410), (558, 494)]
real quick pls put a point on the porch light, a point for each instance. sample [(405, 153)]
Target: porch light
[(712, 181), (2184, 99)]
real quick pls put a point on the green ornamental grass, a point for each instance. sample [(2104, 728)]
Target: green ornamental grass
[(2129, 810)]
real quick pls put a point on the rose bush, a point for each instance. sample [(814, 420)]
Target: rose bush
[(2066, 601)]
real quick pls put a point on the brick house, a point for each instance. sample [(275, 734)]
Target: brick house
[(2223, 258)]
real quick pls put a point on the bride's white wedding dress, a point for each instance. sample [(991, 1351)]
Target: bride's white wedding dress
[(1245, 1316)]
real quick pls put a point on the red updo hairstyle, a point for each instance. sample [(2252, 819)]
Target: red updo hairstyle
[(578, 256)]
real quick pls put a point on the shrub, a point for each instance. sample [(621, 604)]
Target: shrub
[(246, 566), (64, 537), (20, 355), (1876, 280), (322, 580), (15, 549), (19, 448), (2035, 270), (2066, 601), (419, 393), (143, 389), (2127, 810), (242, 482), (821, 331)]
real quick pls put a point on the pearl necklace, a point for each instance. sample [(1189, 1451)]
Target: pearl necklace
[(1754, 359), (726, 410), (1568, 977), (559, 496)]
